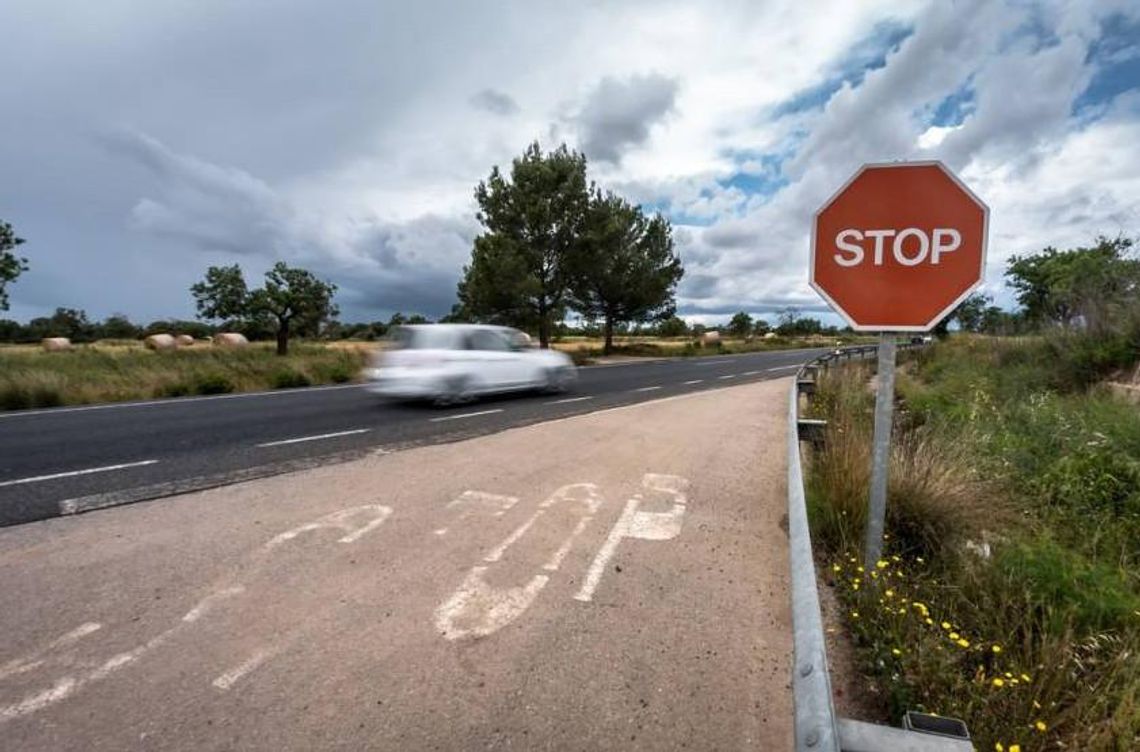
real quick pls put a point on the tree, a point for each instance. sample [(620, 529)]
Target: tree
[(625, 271), (65, 322), (292, 300), (223, 295), (11, 265), (117, 326), (674, 326), (789, 316), (740, 325), (761, 327), (970, 313), (534, 221)]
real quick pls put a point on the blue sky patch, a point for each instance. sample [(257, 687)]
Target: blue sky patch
[(954, 109), (1116, 56), (868, 54)]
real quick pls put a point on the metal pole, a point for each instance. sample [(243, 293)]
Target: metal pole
[(881, 450)]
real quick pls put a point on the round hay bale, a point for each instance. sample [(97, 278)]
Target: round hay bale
[(710, 338), (230, 339), (184, 340), (160, 342), (56, 344)]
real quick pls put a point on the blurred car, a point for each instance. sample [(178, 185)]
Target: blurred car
[(451, 363)]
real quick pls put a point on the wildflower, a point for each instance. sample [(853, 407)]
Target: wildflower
[(882, 564), (855, 586), (896, 651), (999, 747), (963, 643), (895, 558), (996, 649), (1025, 678), (1015, 748), (1040, 726), (954, 636), (1036, 705), (854, 614), (920, 560), (836, 568), (929, 621), (890, 593), (998, 682), (1008, 675), (860, 570), (946, 625)]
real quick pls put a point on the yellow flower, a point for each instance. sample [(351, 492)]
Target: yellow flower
[(999, 682), (929, 620), (963, 643), (1040, 726), (1008, 675), (881, 564), (836, 568), (854, 614), (946, 625), (999, 747), (895, 558), (896, 651), (920, 560), (1015, 748), (1025, 678), (1036, 705), (860, 570), (890, 593), (996, 649), (954, 636)]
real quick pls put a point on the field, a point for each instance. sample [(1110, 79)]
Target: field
[(1009, 593), (584, 349), (112, 371)]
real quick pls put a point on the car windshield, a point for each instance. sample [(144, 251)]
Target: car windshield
[(425, 338)]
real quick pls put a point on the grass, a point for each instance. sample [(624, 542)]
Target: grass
[(112, 372), (584, 349), (1009, 594)]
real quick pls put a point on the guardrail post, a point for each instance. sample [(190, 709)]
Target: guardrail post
[(880, 451)]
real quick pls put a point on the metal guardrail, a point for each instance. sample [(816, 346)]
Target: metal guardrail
[(817, 728)]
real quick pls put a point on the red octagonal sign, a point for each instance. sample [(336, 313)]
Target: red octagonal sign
[(899, 246)]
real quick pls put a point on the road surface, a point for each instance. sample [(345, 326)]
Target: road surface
[(65, 460), (613, 580)]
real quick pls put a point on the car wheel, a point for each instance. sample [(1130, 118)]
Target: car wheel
[(457, 392), (558, 380)]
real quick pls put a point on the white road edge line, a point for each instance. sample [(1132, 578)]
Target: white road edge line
[(647, 389), (749, 373), (727, 376), (88, 471), (694, 381), (782, 368), (318, 437), (465, 415), (569, 399), (712, 362)]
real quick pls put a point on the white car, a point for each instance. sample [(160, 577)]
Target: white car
[(450, 363)]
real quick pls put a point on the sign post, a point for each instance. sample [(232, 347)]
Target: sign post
[(896, 249)]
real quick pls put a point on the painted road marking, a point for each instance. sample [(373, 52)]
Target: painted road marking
[(641, 525), (72, 473), (478, 609), (373, 516), (465, 415), (471, 502), (647, 389), (694, 381), (234, 675), (317, 437), (749, 373), (727, 376), (569, 399), (782, 368), (713, 362)]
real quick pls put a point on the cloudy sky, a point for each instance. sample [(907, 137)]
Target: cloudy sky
[(142, 142)]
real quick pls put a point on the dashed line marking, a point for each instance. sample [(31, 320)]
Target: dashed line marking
[(317, 437), (727, 376), (569, 399), (72, 473), (782, 368), (749, 373), (465, 415), (647, 389), (693, 381)]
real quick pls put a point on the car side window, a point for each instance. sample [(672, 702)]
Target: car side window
[(488, 340)]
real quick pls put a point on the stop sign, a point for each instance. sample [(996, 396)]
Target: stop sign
[(899, 246)]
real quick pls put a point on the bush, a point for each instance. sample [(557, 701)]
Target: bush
[(290, 379), (213, 383)]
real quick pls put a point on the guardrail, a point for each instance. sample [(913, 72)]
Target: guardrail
[(817, 728)]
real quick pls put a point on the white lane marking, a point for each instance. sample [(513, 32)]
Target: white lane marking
[(712, 362), (30, 662), (465, 415), (374, 514), (560, 554), (484, 608), (782, 368), (72, 473), (234, 675), (569, 399), (203, 606), (176, 401), (749, 373), (316, 437), (727, 376), (693, 381), (647, 389), (642, 525)]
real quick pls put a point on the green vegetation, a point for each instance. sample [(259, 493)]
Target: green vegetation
[(1009, 595), (11, 265), (110, 373)]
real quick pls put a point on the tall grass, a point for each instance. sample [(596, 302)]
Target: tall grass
[(110, 373), (1008, 595)]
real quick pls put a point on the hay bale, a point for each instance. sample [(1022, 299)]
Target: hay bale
[(230, 339), (56, 344), (710, 338), (160, 342), (770, 335), (184, 340)]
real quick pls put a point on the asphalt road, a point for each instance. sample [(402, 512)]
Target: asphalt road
[(67, 460), (616, 580)]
